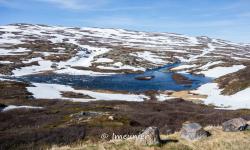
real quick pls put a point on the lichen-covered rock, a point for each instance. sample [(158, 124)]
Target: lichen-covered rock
[(193, 131), (236, 124), (150, 136)]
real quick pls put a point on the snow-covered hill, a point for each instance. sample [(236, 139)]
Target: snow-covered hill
[(113, 49), (31, 49)]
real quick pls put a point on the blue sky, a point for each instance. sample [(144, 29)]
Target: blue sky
[(225, 19)]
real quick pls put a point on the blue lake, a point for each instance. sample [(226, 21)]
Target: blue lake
[(122, 82)]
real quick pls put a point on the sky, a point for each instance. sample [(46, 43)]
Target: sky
[(224, 19)]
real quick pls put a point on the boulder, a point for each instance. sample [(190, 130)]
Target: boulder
[(144, 77), (151, 136), (193, 131), (236, 124)]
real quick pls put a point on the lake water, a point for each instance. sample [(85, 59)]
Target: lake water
[(122, 82)]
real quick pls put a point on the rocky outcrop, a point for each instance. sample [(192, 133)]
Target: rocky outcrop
[(150, 136), (180, 79), (193, 131), (236, 124)]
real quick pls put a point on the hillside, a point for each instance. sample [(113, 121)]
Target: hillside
[(27, 49), (65, 86)]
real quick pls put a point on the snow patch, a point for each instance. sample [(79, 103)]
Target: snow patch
[(73, 71), (6, 62), (163, 97), (221, 71), (44, 65), (104, 60), (181, 67), (53, 91), (209, 64), (238, 100), (11, 107), (83, 58), (32, 60), (19, 51), (120, 66), (149, 56)]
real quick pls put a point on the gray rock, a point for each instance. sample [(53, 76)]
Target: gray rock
[(236, 124), (150, 136), (193, 131)]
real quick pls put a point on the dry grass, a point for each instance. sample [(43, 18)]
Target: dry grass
[(188, 96), (219, 140)]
